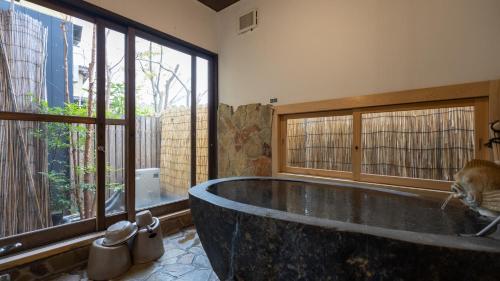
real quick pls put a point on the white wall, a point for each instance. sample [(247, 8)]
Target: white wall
[(323, 49), (186, 19)]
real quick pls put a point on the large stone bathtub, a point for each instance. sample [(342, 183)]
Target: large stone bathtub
[(272, 229)]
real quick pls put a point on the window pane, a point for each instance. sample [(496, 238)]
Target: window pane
[(163, 124), (426, 144), (320, 143), (115, 169), (201, 120), (47, 175), (51, 59), (115, 74)]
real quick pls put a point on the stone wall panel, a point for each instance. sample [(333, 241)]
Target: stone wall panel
[(244, 140)]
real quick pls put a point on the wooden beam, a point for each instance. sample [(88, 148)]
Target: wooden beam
[(130, 128), (47, 251), (481, 127), (275, 137), (101, 126), (194, 93), (494, 100), (356, 145), (410, 182), (318, 172), (36, 117), (213, 104), (50, 235), (450, 92)]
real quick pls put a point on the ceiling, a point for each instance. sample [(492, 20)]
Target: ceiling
[(218, 5)]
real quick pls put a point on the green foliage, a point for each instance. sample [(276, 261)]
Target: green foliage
[(144, 111), (59, 191), (116, 108), (69, 109), (115, 186), (57, 137)]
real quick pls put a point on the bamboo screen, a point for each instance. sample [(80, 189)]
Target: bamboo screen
[(320, 143), (201, 144), (175, 159), (24, 193), (427, 144)]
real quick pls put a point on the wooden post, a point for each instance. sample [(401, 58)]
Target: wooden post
[(101, 126), (494, 100), (130, 118)]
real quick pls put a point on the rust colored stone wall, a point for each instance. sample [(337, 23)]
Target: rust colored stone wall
[(244, 140)]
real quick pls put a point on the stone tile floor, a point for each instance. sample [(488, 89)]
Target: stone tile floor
[(184, 260)]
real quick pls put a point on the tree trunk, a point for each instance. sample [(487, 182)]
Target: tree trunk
[(74, 179), (89, 135), (168, 83)]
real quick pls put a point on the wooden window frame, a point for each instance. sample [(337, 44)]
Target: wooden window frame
[(482, 95), (310, 171), (105, 19)]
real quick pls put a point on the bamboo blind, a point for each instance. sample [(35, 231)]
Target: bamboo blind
[(201, 144), (320, 142), (24, 193), (175, 159), (427, 144)]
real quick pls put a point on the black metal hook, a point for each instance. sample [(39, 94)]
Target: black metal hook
[(495, 140), (492, 126)]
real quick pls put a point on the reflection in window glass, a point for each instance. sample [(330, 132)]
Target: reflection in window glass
[(201, 120), (427, 144), (115, 169), (47, 175), (320, 143), (51, 59), (115, 74), (163, 124), (47, 170)]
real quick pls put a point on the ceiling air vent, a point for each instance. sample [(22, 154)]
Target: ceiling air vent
[(248, 22)]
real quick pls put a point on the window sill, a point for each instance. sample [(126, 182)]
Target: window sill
[(420, 191), (29, 256), (47, 251)]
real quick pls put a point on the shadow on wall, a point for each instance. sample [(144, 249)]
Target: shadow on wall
[(244, 140)]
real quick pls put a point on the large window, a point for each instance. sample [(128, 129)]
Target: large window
[(418, 144), (97, 120), (426, 143), (163, 118), (320, 143), (48, 173)]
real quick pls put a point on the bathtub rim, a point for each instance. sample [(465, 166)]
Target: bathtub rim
[(478, 244)]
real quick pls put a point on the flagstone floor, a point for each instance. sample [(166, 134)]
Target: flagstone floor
[(184, 260)]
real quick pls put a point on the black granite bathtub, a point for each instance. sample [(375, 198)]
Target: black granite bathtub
[(273, 229)]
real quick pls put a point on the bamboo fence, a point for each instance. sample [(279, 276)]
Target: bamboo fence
[(175, 159), (201, 144), (320, 143), (428, 144), (24, 192)]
